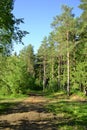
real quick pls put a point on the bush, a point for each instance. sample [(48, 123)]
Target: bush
[(53, 85), (38, 85)]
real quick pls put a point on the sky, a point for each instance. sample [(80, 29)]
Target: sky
[(38, 16)]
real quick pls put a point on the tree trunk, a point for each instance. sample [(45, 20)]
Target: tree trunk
[(52, 69), (44, 76), (85, 91), (68, 66), (68, 75), (59, 73)]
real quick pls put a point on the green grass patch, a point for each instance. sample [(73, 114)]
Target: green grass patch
[(70, 114), (57, 95), (12, 97)]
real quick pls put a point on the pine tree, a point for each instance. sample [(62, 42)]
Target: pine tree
[(42, 55), (64, 25)]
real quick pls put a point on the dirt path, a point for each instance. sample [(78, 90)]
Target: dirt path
[(29, 114)]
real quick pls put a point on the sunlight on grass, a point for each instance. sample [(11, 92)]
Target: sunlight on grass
[(12, 97), (67, 127), (70, 114)]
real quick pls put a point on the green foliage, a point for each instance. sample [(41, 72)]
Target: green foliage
[(83, 6), (53, 85), (9, 29), (70, 114), (38, 84)]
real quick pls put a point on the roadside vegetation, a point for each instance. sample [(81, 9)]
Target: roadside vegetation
[(70, 112)]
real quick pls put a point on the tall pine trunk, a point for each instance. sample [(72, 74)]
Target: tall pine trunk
[(59, 72), (68, 66), (52, 69), (44, 76)]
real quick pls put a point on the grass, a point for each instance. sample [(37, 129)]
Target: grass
[(70, 114), (12, 97)]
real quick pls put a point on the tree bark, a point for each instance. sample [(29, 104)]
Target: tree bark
[(44, 76), (52, 69), (59, 72), (68, 66)]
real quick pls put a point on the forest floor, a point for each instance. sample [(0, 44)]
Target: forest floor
[(34, 113)]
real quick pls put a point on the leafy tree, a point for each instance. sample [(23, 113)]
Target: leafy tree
[(10, 75), (9, 30), (83, 6)]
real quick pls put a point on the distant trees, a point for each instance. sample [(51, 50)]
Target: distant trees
[(27, 56), (42, 56), (28, 73)]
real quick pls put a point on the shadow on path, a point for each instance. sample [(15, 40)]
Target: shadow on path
[(31, 114), (27, 115)]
